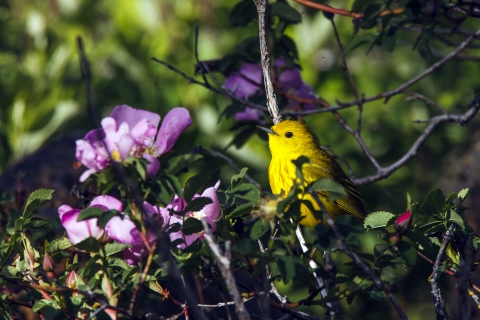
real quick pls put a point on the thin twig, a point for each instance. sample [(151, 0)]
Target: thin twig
[(87, 77), (362, 265), (464, 275), (223, 262), (143, 277), (273, 288), (272, 104), (355, 15), (439, 303), (415, 95)]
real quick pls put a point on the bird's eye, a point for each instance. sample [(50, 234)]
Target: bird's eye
[(288, 134)]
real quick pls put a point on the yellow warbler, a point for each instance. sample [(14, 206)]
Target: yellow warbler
[(290, 139)]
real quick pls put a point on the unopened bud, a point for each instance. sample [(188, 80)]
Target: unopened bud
[(72, 279), (48, 263), (404, 223)]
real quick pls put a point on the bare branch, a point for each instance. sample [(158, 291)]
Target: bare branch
[(440, 309), (272, 104), (273, 289), (433, 124), (415, 95), (223, 262), (463, 277)]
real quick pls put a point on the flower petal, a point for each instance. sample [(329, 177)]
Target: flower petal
[(153, 164), (134, 254), (250, 114), (107, 202), (78, 231), (246, 81), (131, 116), (174, 123), (123, 231)]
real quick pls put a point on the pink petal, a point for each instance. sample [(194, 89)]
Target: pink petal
[(134, 254), (212, 210), (78, 231), (174, 123), (131, 116), (107, 202), (289, 78), (246, 81), (125, 145), (153, 164), (123, 231), (250, 114), (63, 209), (86, 174)]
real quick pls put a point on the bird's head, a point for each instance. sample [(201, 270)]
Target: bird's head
[(289, 136)]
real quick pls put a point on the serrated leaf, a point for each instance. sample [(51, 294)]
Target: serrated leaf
[(36, 199), (377, 219), (335, 190), (242, 13), (114, 247), (237, 178), (289, 266), (59, 244), (90, 244), (40, 304), (37, 223), (456, 218), (463, 194), (103, 219), (246, 191), (191, 226), (285, 12), (198, 203), (90, 213), (433, 203)]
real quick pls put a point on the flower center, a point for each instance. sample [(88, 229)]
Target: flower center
[(116, 156), (199, 215)]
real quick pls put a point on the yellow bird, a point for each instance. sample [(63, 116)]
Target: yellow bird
[(290, 139)]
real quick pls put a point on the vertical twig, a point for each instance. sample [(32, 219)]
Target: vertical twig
[(223, 262), (439, 303), (87, 77), (273, 289), (463, 277), (272, 104)]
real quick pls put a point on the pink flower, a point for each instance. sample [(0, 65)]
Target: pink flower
[(130, 132), (247, 81), (210, 212), (403, 224), (78, 231)]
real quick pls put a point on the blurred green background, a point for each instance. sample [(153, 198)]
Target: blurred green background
[(43, 95)]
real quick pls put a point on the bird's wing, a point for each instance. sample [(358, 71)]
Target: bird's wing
[(353, 204)]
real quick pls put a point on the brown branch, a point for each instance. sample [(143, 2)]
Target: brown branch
[(439, 303), (272, 104), (341, 12)]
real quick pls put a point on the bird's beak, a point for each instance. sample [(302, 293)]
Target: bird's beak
[(267, 130)]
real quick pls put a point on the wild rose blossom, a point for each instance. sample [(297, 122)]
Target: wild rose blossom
[(247, 81), (403, 224), (131, 132), (210, 212)]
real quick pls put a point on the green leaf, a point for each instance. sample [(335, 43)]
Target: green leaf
[(191, 226), (246, 246), (370, 15), (237, 178), (90, 244), (174, 184), (429, 226), (390, 39), (246, 191), (114, 247), (463, 194), (420, 240), (376, 40), (243, 13), (259, 229), (59, 244), (285, 12), (408, 253), (378, 219), (289, 267), (456, 218), (40, 304), (335, 190), (196, 182), (434, 202), (4, 315), (178, 163), (103, 219), (89, 213), (37, 223), (197, 204), (358, 41), (35, 200)]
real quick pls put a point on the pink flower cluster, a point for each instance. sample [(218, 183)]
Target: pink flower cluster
[(129, 132), (123, 230), (247, 81)]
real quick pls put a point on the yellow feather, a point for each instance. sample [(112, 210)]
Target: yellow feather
[(290, 139)]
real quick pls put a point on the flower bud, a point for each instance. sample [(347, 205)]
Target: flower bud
[(48, 263), (404, 223), (72, 279)]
